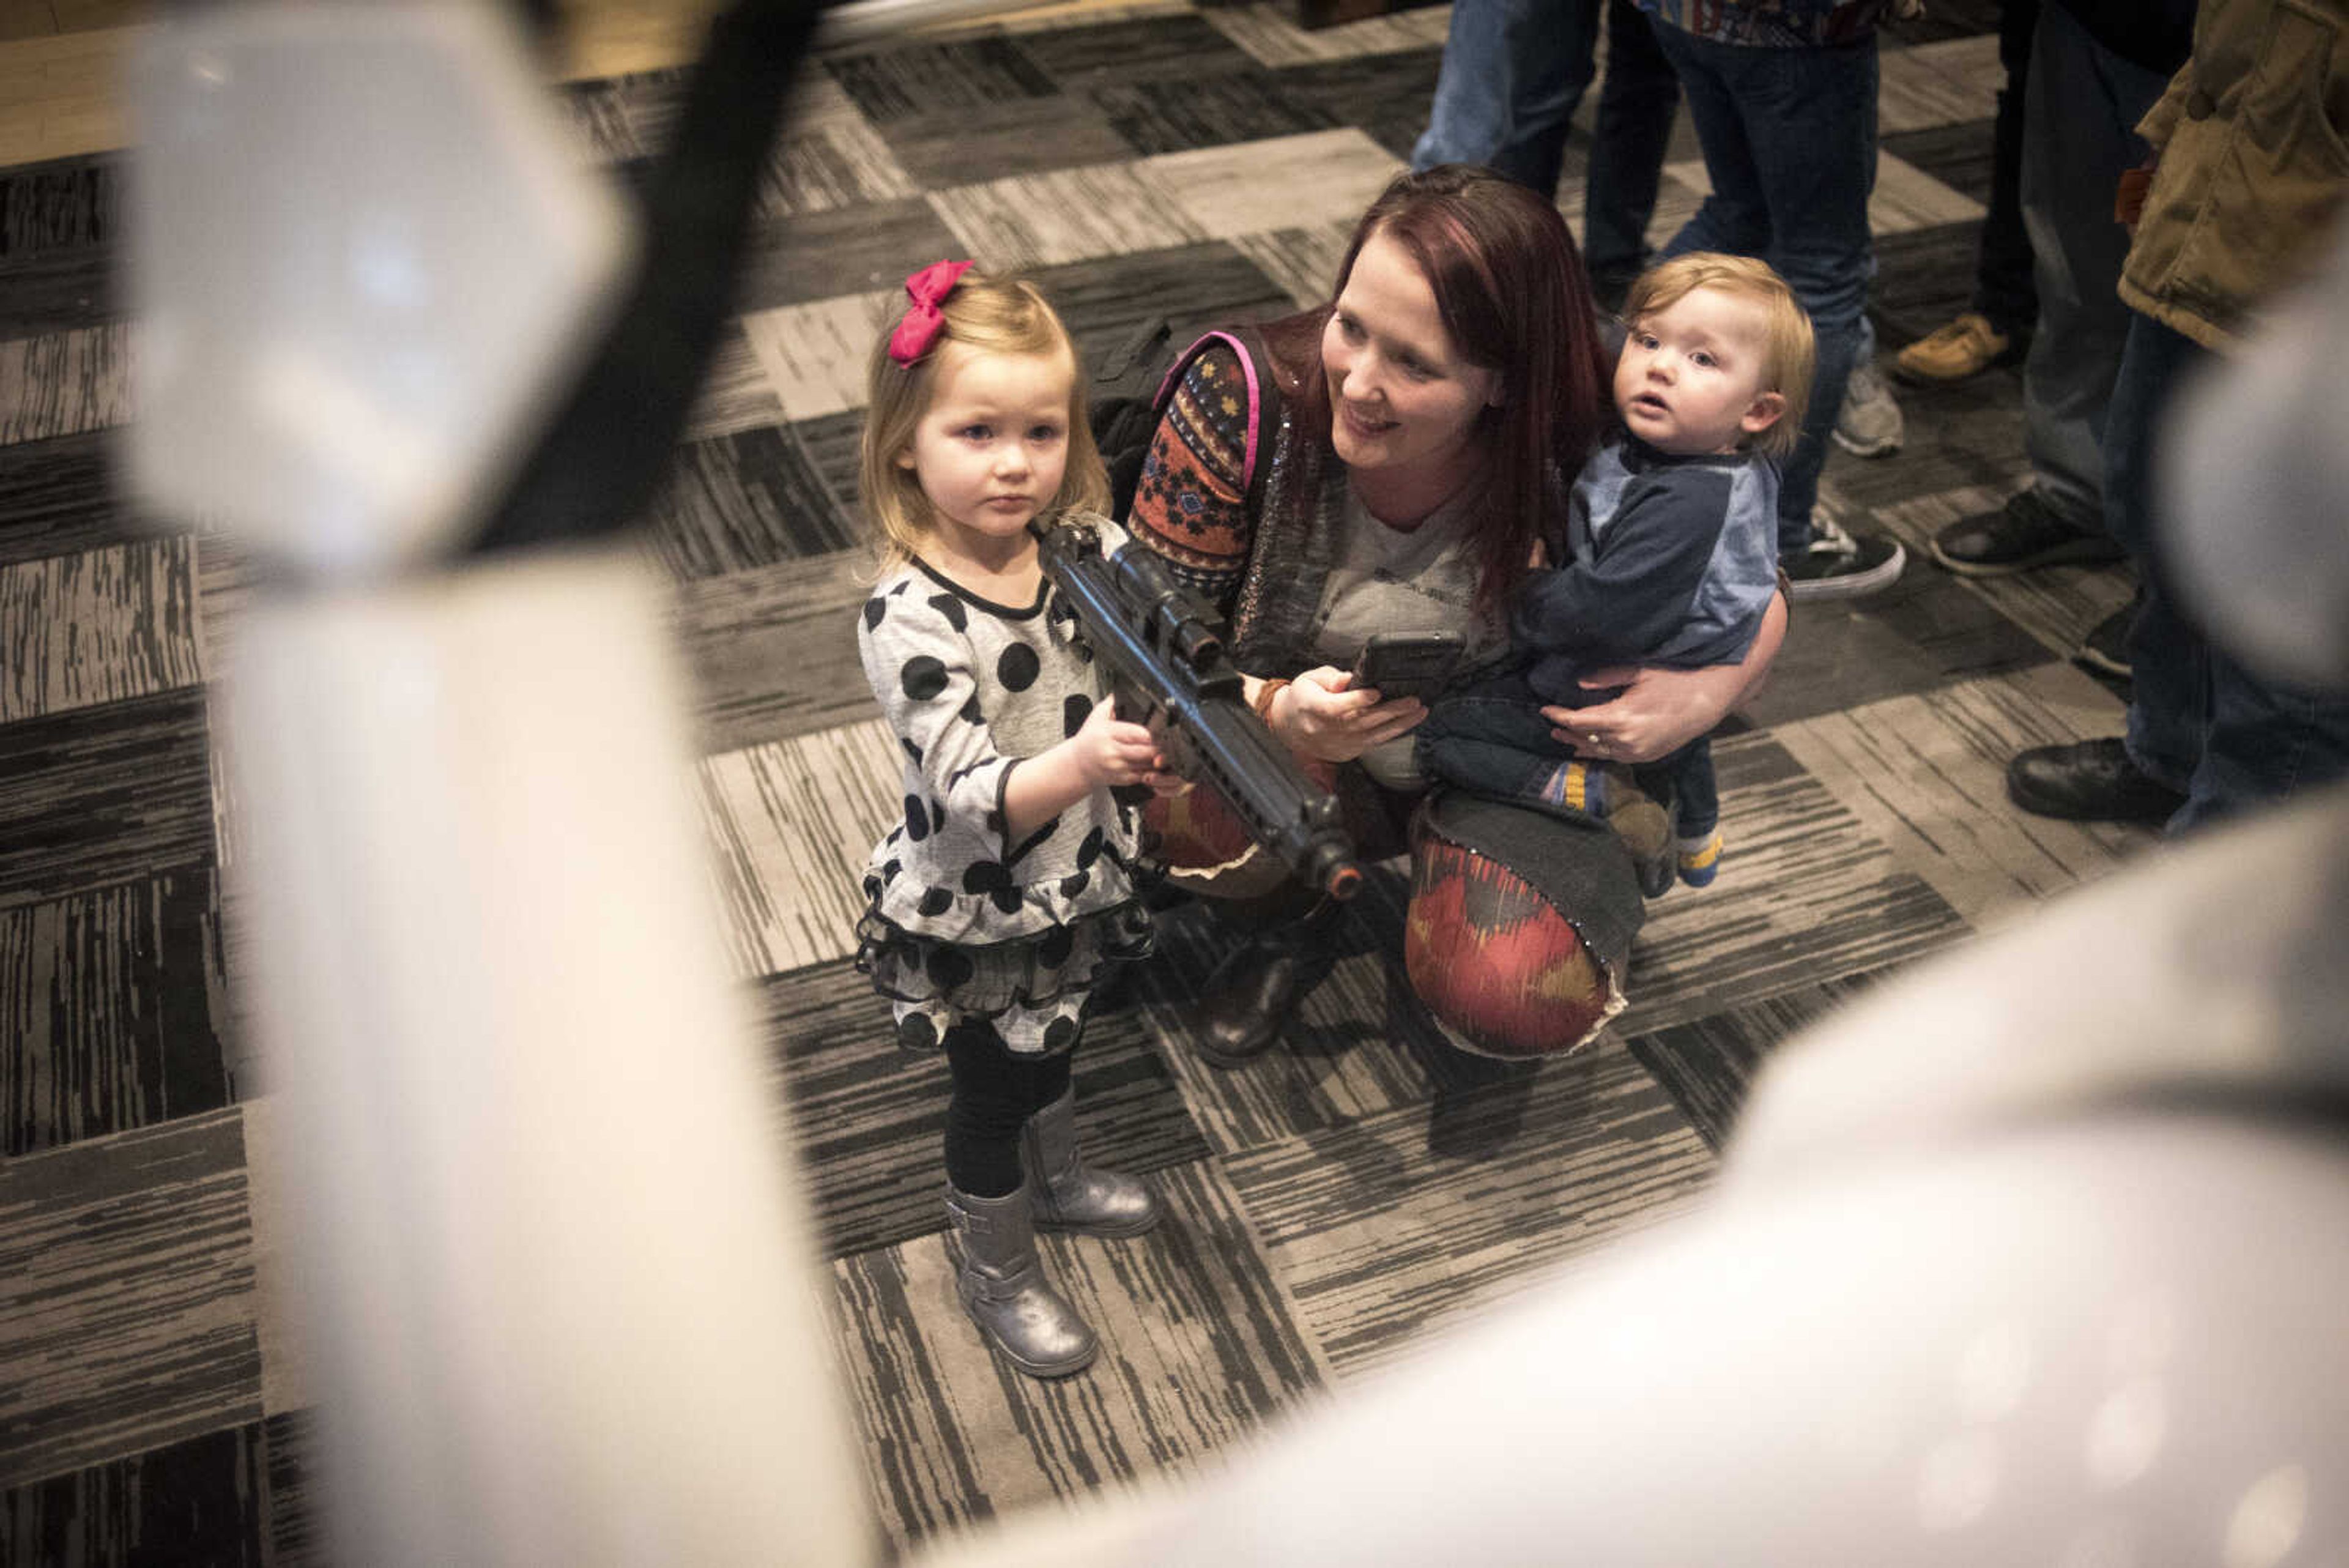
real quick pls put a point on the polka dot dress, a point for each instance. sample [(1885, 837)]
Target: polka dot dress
[(962, 924)]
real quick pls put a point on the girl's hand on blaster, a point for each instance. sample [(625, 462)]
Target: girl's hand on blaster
[(1319, 715), (1109, 751)]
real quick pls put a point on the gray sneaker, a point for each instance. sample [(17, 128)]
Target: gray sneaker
[(1870, 422)]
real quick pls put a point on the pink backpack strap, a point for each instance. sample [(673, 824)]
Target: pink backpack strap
[(1255, 398)]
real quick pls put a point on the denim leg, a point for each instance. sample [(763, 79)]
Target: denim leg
[(2266, 742), (2079, 135), (1789, 140), (2170, 679), (1732, 217), (2197, 720), (2232, 739), (1638, 97), (1513, 72), (2003, 291), (1495, 743), (1695, 789)]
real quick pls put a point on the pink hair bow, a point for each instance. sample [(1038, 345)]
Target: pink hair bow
[(919, 327)]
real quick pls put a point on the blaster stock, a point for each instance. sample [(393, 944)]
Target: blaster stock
[(1164, 650)]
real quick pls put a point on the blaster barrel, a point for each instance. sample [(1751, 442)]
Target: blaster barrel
[(1166, 647)]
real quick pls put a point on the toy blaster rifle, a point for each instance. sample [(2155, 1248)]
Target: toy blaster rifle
[(1164, 650)]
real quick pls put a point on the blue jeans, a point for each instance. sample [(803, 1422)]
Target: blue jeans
[(2082, 104), (1491, 737), (1515, 71), (1789, 138), (2198, 722)]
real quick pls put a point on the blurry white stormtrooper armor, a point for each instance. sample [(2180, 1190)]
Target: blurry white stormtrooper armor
[(558, 1276), (2038, 1255)]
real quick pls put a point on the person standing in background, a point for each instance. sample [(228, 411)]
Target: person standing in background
[(1997, 324), (2251, 167), (1784, 99), (2100, 65), (1515, 71)]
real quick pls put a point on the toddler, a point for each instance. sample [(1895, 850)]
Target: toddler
[(1670, 555), (1000, 899)]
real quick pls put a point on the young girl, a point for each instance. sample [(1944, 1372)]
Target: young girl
[(999, 902)]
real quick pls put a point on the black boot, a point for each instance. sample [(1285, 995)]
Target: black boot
[(1256, 986)]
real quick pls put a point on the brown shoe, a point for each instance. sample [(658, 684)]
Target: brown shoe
[(1966, 347)]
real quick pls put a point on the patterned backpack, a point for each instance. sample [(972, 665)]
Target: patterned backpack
[(1131, 394)]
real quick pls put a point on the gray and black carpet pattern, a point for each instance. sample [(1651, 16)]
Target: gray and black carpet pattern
[(1332, 1204)]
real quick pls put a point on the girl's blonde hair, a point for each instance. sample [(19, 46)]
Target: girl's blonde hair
[(989, 316), (1789, 353)]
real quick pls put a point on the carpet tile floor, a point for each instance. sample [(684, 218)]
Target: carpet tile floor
[(1333, 1204)]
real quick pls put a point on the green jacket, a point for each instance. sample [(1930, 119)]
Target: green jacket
[(2253, 165)]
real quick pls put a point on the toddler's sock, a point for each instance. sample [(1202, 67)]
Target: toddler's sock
[(1578, 785), (1699, 856), (1609, 792)]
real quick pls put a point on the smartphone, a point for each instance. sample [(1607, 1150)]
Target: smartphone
[(1407, 664)]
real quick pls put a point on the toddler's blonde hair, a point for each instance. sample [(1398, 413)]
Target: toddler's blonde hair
[(989, 316), (1790, 352)]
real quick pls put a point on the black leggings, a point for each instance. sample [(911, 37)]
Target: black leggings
[(995, 1092)]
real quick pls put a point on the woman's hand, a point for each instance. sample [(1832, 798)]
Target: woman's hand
[(1657, 713), (1319, 715), (1660, 710)]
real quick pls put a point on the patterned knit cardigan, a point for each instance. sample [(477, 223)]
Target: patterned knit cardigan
[(1192, 507)]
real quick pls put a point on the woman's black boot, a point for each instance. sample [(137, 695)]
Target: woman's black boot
[(1256, 986)]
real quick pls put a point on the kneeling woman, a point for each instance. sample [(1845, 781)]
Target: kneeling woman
[(1432, 418)]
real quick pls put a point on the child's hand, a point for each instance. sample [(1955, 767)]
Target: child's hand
[(1109, 751)]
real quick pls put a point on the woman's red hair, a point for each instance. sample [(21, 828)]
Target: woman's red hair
[(1509, 284)]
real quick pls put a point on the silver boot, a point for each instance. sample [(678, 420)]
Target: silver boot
[(1071, 1194), (1003, 1288)]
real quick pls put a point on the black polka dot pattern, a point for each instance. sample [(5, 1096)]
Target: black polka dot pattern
[(970, 926), (924, 678), (1016, 666), (993, 878)]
